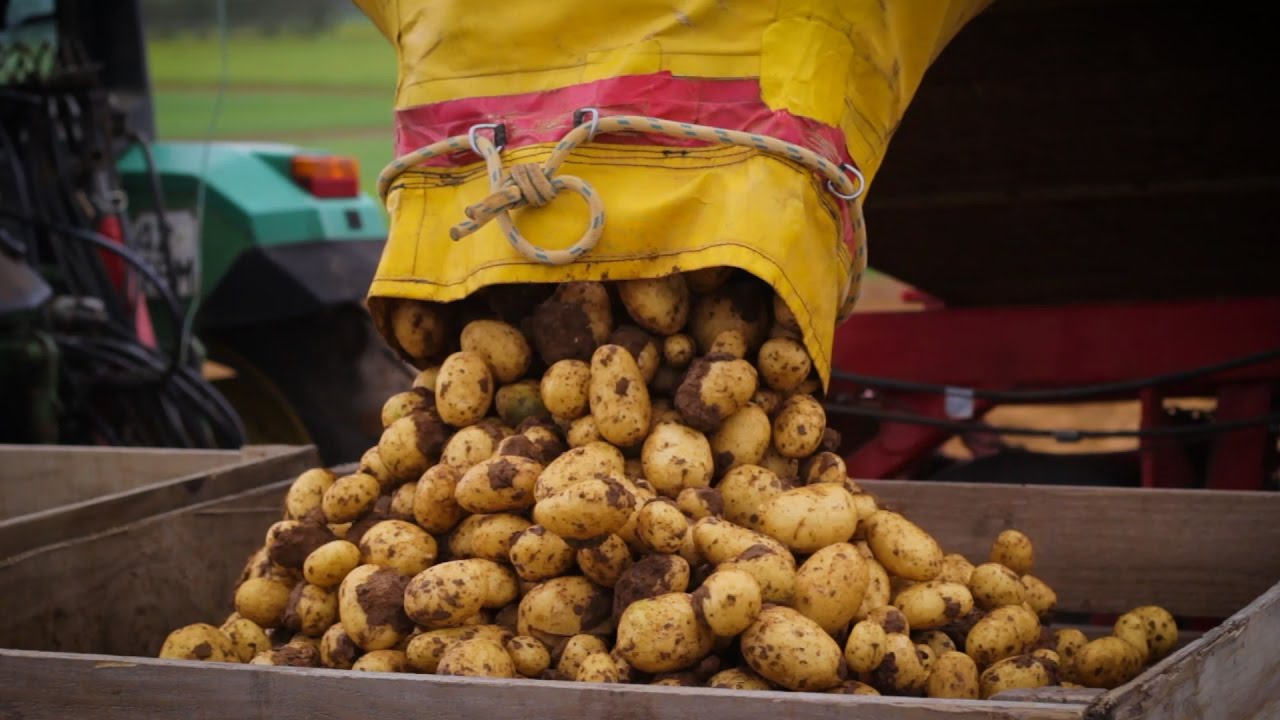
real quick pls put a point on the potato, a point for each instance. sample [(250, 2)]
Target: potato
[(663, 634), (728, 602), (486, 536), (956, 569), (661, 526), (791, 650), (714, 388), (1162, 632), (618, 396), (773, 568), (739, 306), (583, 431), (577, 649), (499, 484), (598, 668), (768, 400), (387, 661), (891, 619), (371, 463), (995, 585), (409, 445), (742, 439), (445, 595), (199, 642), (589, 509), (902, 547), (853, 687), (1038, 595), (476, 657), (581, 463), (337, 651), (262, 601), (247, 638), (830, 586), (784, 363), (464, 389), (434, 506), (289, 542), (572, 322), (604, 559), (745, 490), (864, 649), (1002, 633), (540, 555), (399, 545), (676, 457), (729, 342), (828, 467), (350, 498), (641, 347), (565, 389), (1132, 628), (937, 641), (697, 503), (529, 656), (260, 566), (720, 541), (798, 426), (519, 401), (426, 378), (708, 280), (1018, 672), (954, 675), (470, 446), (500, 345), (739, 678), (563, 606), (787, 469), (933, 604), (306, 493), (419, 328), (371, 607), (310, 610), (878, 589), (649, 577), (659, 305), (406, 403), (1013, 550), (425, 650), (1067, 642), (809, 518), (678, 350), (901, 672), (293, 654)]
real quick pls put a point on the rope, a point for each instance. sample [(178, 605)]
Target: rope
[(531, 184)]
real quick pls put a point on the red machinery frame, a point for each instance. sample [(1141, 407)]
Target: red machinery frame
[(1067, 346)]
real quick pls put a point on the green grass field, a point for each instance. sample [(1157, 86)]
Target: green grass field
[(332, 91)]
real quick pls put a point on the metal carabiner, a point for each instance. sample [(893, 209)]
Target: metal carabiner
[(862, 183), (499, 136), (580, 115)]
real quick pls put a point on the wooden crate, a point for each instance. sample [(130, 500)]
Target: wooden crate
[(74, 613), (50, 494)]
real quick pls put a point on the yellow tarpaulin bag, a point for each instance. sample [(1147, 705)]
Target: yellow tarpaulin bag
[(700, 133)]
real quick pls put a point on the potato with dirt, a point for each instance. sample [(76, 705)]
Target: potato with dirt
[(830, 586), (728, 601), (476, 657), (902, 547), (641, 346), (604, 559), (572, 323), (739, 305), (520, 401), (798, 427), (337, 651), (773, 567), (311, 610), (199, 641), (586, 510), (464, 389), (399, 545), (791, 650), (500, 345), (529, 656), (1021, 672), (742, 439), (865, 646), (263, 601), (564, 607), (932, 604), (592, 460), (618, 396), (745, 490), (809, 518), (434, 507), (995, 585), (486, 536), (714, 388), (954, 676), (247, 638), (784, 364), (678, 351), (901, 672), (565, 389), (371, 607), (659, 305), (499, 484), (385, 661), (538, 554), (420, 329), (472, 445), (676, 457), (289, 542), (649, 577), (661, 527), (697, 503), (1013, 550), (663, 634), (407, 403), (450, 593), (411, 444), (303, 499), (350, 498), (424, 650)]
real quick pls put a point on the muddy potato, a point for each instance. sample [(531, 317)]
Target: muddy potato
[(1015, 673), (399, 545), (486, 536), (1132, 628), (424, 650), (954, 675), (470, 446), (464, 389), (649, 577), (739, 678), (499, 484), (714, 388), (784, 364), (676, 457), (937, 641), (663, 634), (411, 444), (598, 668), (798, 426), (445, 595), (476, 657), (827, 467), (995, 585), (289, 542), (563, 606), (247, 638), (902, 547), (263, 601), (742, 439), (1013, 550), (891, 619), (901, 672), (1067, 642), (659, 305), (830, 586), (642, 347), (589, 509), (661, 526), (739, 306), (728, 601), (1004, 632), (199, 641), (576, 465), (292, 654), (565, 389), (538, 554), (577, 649), (529, 656), (310, 610), (956, 569), (864, 648), (678, 350), (787, 469), (434, 506), (387, 661), (773, 568), (745, 490), (697, 503), (791, 650), (259, 565), (1038, 595), (572, 322), (419, 328), (927, 656), (618, 396), (933, 604), (406, 403), (603, 560), (809, 518), (306, 493), (768, 400), (350, 497), (371, 607), (719, 540), (1162, 631), (337, 651), (500, 345)]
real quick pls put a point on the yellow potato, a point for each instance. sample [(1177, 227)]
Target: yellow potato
[(486, 536), (337, 651), (830, 586), (742, 439), (311, 610), (565, 388), (663, 634), (519, 401), (1162, 632), (371, 607), (1002, 633), (426, 378), (798, 426), (293, 654), (1018, 672), (589, 509), (434, 506), (538, 554), (651, 576), (937, 641), (787, 469), (995, 585), (598, 668), (678, 350), (289, 542), (745, 490), (603, 560), (1132, 628), (583, 431), (371, 463), (714, 388), (476, 657), (399, 545), (424, 650), (773, 568), (739, 678), (575, 650), (407, 403), (529, 656), (470, 446), (676, 457), (642, 348), (499, 484), (581, 463), (697, 503), (791, 650), (864, 649), (1067, 642), (728, 601), (1038, 595), (419, 329), (891, 619), (729, 342), (306, 493), (350, 498), (708, 280), (878, 588), (853, 687), (260, 566), (445, 595), (409, 446), (659, 305), (768, 400), (955, 676), (933, 604), (500, 345), (956, 569), (902, 547), (738, 306), (828, 467), (199, 642), (661, 527), (719, 540), (387, 661), (563, 606), (402, 502), (263, 601), (464, 389), (1013, 550), (809, 518), (247, 638), (619, 398), (784, 364), (901, 672)]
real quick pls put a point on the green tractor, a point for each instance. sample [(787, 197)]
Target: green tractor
[(166, 293)]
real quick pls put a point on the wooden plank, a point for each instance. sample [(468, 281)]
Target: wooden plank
[(1229, 673), (52, 685), (1196, 552), (96, 514), (1051, 694)]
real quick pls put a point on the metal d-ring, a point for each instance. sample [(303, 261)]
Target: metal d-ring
[(862, 183)]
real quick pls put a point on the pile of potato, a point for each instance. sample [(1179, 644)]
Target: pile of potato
[(635, 483)]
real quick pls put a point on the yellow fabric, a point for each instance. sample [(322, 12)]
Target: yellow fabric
[(854, 64)]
